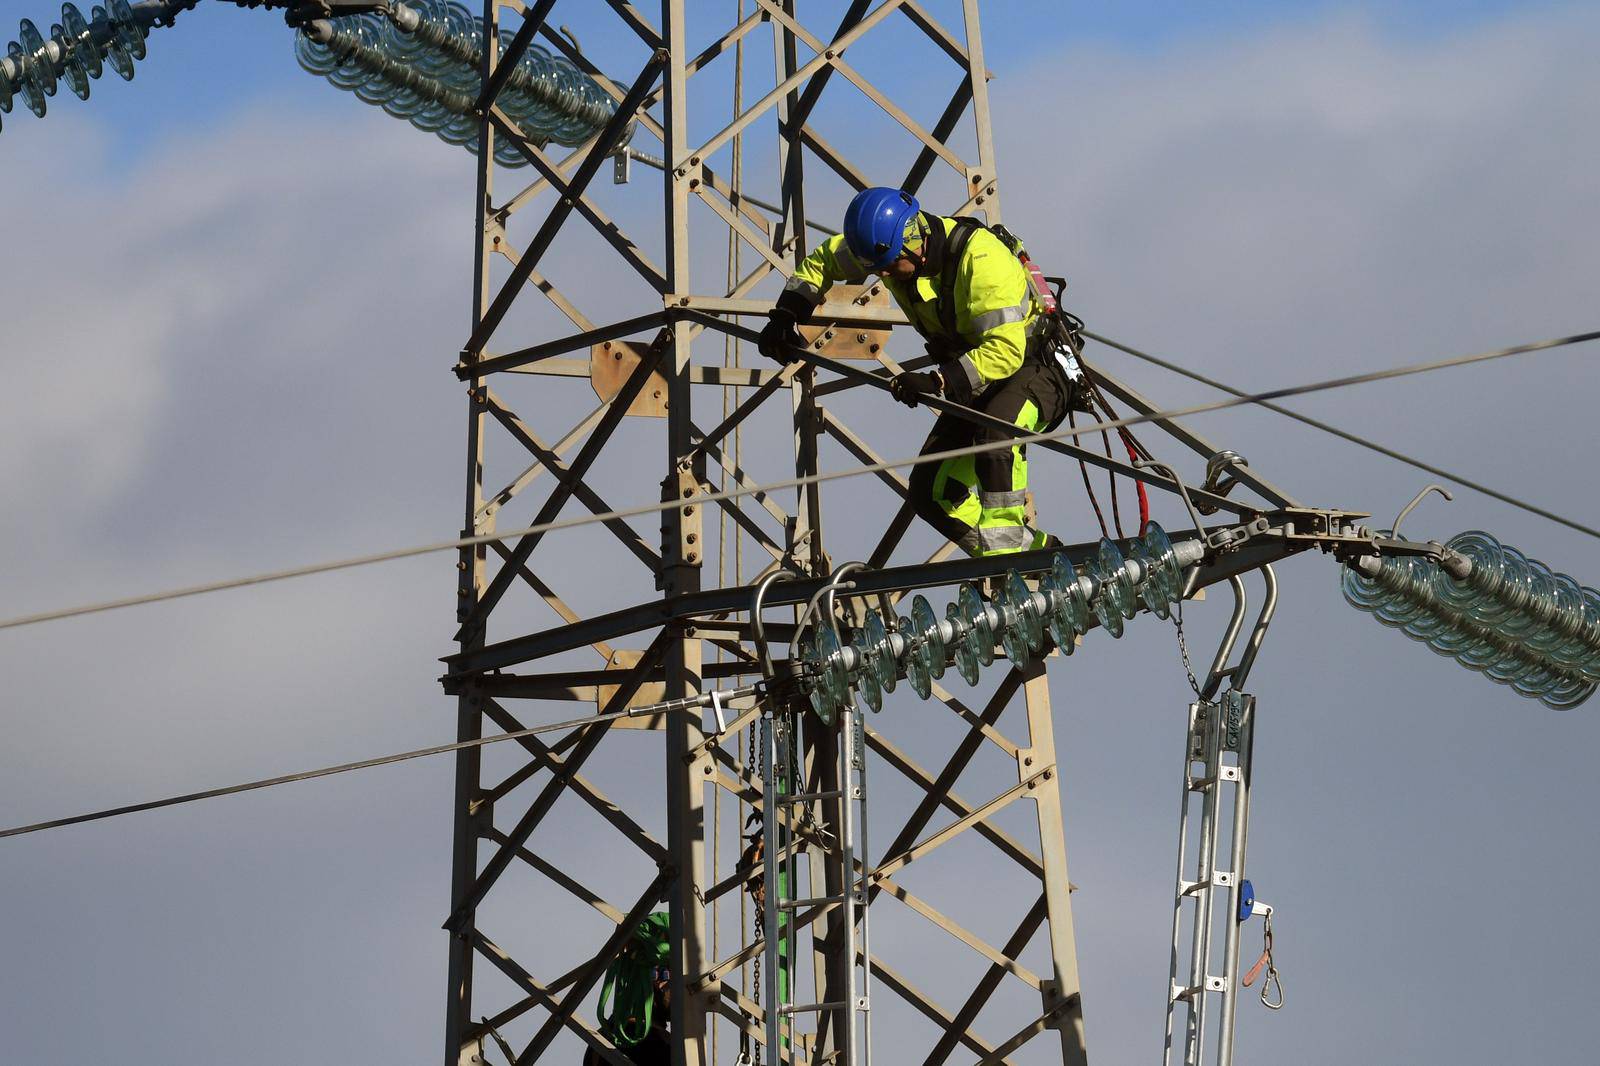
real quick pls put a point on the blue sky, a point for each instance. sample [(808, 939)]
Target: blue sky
[(1027, 27), (221, 58), (233, 301)]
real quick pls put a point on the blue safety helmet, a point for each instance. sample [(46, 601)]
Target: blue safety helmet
[(875, 225)]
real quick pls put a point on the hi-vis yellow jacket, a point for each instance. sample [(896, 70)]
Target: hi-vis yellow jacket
[(995, 309)]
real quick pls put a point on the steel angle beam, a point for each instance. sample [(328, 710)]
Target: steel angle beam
[(650, 615), (1196, 443), (1061, 445)]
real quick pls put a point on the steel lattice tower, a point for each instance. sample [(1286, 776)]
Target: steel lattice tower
[(502, 668), (676, 653)]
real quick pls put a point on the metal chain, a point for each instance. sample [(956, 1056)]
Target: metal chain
[(755, 990), (1272, 981), (760, 932), (1183, 649)]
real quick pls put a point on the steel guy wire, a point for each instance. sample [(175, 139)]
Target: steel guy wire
[(1351, 437), (787, 483)]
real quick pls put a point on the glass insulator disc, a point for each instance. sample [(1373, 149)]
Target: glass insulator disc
[(31, 88), (807, 652), (506, 154), (916, 669), (115, 53), (966, 657), (40, 69), (830, 660), (1567, 694), (1120, 593), (877, 641), (1165, 583), (1026, 620), (71, 66), (127, 28), (1012, 638), (313, 58), (1104, 609), (866, 676), (980, 634), (1360, 591), (1067, 608), (930, 643), (77, 31), (1028, 611)]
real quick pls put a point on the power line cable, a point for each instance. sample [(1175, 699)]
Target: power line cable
[(1364, 442), (592, 720), (309, 775), (810, 479)]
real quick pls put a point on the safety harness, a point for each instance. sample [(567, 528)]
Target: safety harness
[(1050, 346), (1056, 346)]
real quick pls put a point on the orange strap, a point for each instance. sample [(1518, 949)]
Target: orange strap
[(1255, 971)]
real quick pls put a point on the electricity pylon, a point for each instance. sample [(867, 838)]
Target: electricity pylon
[(655, 381)]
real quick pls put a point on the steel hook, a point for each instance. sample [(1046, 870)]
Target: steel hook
[(763, 653), (1183, 490), (1394, 530)]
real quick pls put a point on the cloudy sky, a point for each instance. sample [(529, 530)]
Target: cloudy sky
[(231, 303)]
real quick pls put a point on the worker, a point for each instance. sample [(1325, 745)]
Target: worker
[(975, 304)]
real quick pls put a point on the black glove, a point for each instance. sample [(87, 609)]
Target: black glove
[(914, 385), (780, 334)]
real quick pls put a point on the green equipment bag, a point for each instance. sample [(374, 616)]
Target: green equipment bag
[(631, 980)]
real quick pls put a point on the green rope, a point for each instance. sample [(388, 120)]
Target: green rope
[(631, 978)]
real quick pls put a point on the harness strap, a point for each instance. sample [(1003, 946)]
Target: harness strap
[(954, 249), (1040, 350)]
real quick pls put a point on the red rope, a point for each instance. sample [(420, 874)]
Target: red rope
[(1133, 457)]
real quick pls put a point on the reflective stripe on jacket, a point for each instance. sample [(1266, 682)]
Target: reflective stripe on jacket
[(994, 304)]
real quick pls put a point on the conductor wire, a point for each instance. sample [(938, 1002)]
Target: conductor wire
[(1370, 445), (1259, 398), (310, 775)]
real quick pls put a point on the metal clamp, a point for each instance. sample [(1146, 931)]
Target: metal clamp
[(1217, 468), (717, 709)]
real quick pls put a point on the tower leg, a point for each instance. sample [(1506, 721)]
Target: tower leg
[(468, 822), (1063, 1000)]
